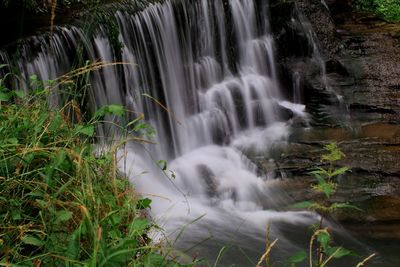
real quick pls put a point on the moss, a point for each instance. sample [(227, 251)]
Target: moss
[(386, 9)]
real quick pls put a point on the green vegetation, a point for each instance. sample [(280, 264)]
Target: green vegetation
[(60, 205), (326, 183), (322, 251), (387, 9)]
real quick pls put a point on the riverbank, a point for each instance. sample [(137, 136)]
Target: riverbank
[(63, 201)]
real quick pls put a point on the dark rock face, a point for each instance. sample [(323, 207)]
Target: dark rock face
[(373, 153), (360, 56), (377, 51), (361, 60)]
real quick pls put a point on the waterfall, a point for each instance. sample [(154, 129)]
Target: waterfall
[(341, 110), (296, 87), (211, 64)]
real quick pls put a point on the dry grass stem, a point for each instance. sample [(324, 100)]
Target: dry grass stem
[(366, 259), (267, 252)]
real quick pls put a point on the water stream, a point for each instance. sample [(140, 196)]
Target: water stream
[(211, 64)]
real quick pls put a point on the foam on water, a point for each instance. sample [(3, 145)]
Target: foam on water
[(213, 68)]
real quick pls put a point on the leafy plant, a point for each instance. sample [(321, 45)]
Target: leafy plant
[(59, 203), (327, 186), (387, 9)]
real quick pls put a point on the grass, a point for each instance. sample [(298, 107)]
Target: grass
[(63, 203), (386, 9)]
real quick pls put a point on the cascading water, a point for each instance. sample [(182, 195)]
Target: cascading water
[(304, 26), (211, 64), (296, 87)]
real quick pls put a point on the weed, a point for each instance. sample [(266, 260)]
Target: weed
[(59, 203), (324, 252)]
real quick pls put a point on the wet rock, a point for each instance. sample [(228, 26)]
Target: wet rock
[(210, 183), (335, 66), (319, 14), (361, 54), (373, 185)]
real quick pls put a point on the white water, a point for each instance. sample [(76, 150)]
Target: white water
[(228, 112), (296, 87), (216, 109)]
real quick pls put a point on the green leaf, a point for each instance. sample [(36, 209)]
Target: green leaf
[(154, 259), (100, 113), (32, 240), (336, 206), (319, 172), (327, 188), (297, 258), (36, 193), (39, 125), (55, 123), (143, 203), (4, 96), (324, 238), (12, 141), (337, 252), (144, 129), (19, 93), (73, 247), (138, 226), (16, 215), (162, 164), (319, 179), (115, 219), (334, 153), (340, 171), (303, 205), (60, 158), (113, 109), (116, 110), (63, 216), (85, 130)]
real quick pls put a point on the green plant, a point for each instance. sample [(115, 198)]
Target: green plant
[(387, 9), (59, 203), (325, 185)]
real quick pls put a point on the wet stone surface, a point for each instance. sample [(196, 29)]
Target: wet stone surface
[(361, 54)]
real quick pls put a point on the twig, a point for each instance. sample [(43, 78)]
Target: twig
[(331, 257), (366, 259), (312, 242), (267, 252)]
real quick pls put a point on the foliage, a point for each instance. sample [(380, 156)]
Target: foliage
[(326, 185), (387, 9), (59, 204)]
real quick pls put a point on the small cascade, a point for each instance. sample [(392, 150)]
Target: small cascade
[(213, 68), (297, 88), (305, 26)]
